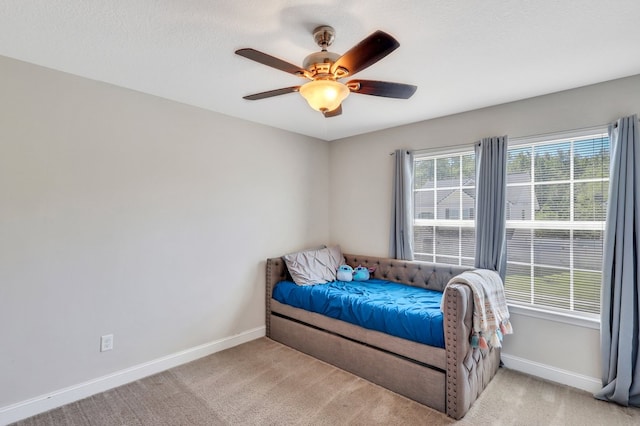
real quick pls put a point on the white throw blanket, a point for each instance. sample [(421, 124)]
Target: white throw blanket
[(490, 313)]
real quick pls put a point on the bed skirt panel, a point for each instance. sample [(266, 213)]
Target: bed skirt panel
[(415, 381), (436, 357)]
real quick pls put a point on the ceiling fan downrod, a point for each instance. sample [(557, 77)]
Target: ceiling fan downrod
[(324, 36)]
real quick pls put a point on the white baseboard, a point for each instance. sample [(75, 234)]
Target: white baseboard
[(553, 374), (42, 403)]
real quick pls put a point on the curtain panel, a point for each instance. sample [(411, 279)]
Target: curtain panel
[(620, 324), (401, 238), (491, 188)]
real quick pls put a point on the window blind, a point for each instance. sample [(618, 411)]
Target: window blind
[(557, 191), (444, 208), (556, 209)]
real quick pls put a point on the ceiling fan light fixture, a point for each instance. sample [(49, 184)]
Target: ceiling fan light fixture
[(324, 95), (324, 92)]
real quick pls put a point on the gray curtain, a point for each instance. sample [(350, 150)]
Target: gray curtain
[(491, 165), (620, 325), (401, 240)]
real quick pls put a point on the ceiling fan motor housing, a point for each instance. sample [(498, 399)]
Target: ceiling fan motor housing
[(318, 61)]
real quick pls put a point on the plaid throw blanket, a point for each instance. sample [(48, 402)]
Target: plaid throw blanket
[(490, 313)]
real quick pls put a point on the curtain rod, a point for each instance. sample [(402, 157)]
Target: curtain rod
[(616, 123), (440, 148), (515, 138)]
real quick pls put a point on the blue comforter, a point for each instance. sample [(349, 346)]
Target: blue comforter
[(400, 310)]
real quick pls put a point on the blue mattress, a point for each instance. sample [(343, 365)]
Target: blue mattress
[(400, 310)]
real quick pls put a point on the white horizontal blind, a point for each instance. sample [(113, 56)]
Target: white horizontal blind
[(557, 194), (444, 208)]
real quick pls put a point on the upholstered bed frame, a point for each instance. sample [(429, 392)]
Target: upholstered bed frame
[(449, 379)]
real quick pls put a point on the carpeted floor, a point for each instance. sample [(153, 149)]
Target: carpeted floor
[(265, 383)]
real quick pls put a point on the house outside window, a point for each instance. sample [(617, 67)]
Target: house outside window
[(558, 187), (444, 186), (557, 190)]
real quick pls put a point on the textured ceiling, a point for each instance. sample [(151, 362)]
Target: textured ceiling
[(462, 54)]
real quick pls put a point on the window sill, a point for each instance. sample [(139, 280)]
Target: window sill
[(565, 318)]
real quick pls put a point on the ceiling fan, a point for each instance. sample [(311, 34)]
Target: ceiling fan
[(324, 92)]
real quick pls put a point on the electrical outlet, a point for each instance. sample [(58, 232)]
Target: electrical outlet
[(106, 342)]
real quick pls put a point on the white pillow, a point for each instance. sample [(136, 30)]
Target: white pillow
[(317, 266)]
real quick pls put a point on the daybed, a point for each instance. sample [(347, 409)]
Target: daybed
[(447, 379)]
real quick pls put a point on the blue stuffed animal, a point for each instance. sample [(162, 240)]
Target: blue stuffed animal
[(360, 274), (345, 273)]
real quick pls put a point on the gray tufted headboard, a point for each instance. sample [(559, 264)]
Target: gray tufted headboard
[(433, 276)]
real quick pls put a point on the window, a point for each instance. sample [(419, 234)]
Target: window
[(444, 203), (557, 194), (557, 190)]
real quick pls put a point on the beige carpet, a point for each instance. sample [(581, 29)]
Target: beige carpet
[(265, 383)]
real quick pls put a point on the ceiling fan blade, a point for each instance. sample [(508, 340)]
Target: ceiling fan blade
[(270, 61), (271, 93), (382, 88), (334, 113), (366, 53)]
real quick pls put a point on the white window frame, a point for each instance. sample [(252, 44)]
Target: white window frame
[(588, 320), (585, 320), (446, 223)]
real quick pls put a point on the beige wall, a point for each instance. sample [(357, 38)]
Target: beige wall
[(123, 213), (128, 214), (361, 170)]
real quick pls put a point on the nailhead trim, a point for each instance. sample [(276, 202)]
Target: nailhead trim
[(451, 344), (268, 286)]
